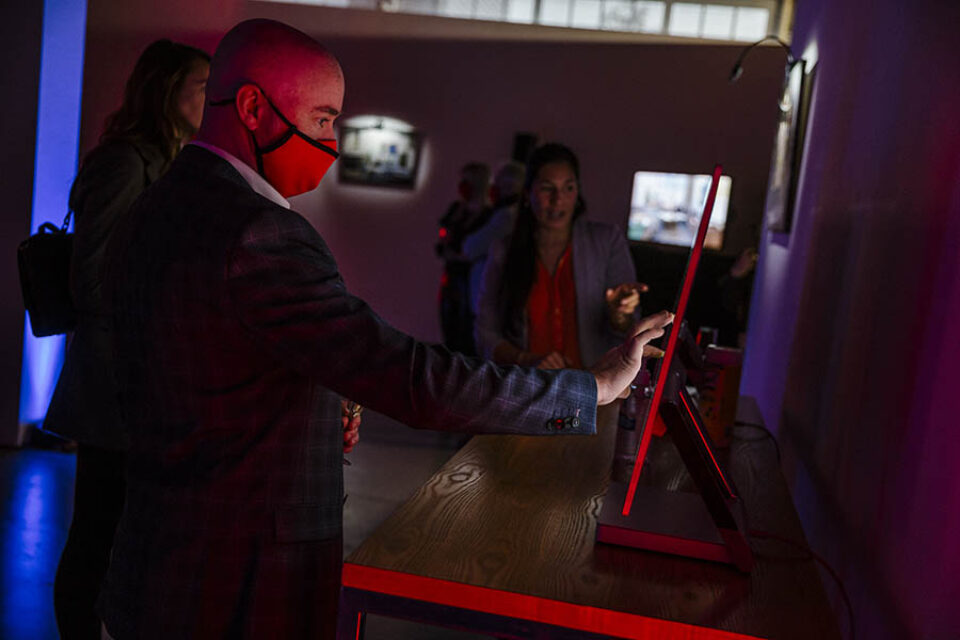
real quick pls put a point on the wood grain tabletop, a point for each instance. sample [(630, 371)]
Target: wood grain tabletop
[(518, 514)]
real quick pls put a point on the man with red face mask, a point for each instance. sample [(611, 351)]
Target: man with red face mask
[(235, 339)]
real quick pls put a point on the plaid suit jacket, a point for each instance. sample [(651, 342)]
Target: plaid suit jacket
[(235, 337)]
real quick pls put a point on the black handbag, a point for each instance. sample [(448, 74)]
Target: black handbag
[(44, 262)]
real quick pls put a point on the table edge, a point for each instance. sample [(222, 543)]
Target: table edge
[(524, 607)]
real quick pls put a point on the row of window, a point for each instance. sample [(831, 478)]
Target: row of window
[(688, 19)]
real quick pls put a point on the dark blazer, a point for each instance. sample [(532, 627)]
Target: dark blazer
[(235, 338), (84, 405)]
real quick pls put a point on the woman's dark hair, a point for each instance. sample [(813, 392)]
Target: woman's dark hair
[(519, 270), (150, 111)]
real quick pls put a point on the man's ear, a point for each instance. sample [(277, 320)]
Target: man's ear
[(250, 103)]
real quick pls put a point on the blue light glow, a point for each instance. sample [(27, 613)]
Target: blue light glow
[(37, 504), (58, 137)]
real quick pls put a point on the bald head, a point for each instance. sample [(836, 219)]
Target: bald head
[(259, 62), (273, 55)]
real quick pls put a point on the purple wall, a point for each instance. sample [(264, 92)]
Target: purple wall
[(852, 352)]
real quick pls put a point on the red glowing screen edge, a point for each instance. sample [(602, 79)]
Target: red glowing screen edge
[(664, 370)]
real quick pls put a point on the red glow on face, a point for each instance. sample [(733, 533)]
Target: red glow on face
[(688, 278), (443, 232)]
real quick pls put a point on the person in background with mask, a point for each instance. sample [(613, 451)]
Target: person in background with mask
[(505, 195), (560, 291), (161, 110), (236, 338), (465, 215)]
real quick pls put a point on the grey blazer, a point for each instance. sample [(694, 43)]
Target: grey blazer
[(235, 338), (84, 406), (601, 260)]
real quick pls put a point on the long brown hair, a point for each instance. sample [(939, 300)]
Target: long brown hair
[(519, 270), (150, 112)]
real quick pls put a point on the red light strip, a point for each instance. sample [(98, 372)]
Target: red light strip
[(524, 607), (707, 447), (672, 340), (359, 620)]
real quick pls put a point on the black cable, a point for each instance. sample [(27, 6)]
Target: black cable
[(810, 553), (766, 535), (737, 70)]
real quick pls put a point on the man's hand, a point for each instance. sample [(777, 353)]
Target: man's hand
[(618, 367)]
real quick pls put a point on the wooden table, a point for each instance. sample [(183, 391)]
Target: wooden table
[(501, 541)]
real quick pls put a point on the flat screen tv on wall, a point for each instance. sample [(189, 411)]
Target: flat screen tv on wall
[(665, 208), (378, 151)]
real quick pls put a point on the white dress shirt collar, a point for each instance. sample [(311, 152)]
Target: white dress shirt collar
[(254, 179)]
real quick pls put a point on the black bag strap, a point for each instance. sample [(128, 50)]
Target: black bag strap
[(49, 227)]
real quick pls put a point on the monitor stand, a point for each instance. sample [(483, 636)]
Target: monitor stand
[(708, 525)]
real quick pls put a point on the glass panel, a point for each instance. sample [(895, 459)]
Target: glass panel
[(520, 10), (586, 14), (685, 19), (427, 7), (331, 3), (623, 15), (617, 15), (555, 12), (489, 10), (455, 8), (650, 16), (717, 22), (752, 23)]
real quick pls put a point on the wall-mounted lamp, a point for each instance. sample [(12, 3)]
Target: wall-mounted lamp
[(737, 70), (788, 143)]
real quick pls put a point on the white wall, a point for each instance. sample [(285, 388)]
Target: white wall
[(622, 106)]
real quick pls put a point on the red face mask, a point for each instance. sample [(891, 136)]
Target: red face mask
[(294, 163)]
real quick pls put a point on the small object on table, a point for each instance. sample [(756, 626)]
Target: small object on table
[(720, 391), (349, 410)]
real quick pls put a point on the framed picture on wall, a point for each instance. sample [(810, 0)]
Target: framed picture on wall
[(787, 157), (378, 150)]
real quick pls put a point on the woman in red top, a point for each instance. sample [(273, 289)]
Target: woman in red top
[(559, 292)]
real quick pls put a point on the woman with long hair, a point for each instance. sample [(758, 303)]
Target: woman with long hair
[(560, 291), (162, 108)]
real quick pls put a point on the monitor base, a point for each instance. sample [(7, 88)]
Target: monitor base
[(673, 522)]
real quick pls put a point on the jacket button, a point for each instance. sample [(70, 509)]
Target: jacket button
[(575, 423)]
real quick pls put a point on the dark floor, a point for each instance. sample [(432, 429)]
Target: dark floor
[(36, 489)]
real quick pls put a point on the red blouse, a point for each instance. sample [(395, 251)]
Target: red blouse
[(552, 311)]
